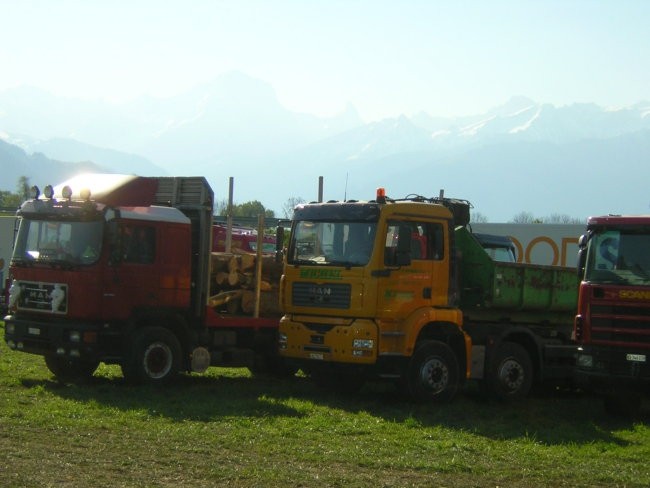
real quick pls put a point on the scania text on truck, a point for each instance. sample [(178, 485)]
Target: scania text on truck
[(612, 326), (117, 269), (401, 290)]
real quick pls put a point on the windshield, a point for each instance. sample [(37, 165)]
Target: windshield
[(267, 247), (61, 242), (502, 254), (619, 256), (332, 243)]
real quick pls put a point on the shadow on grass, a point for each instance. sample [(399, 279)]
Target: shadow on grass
[(552, 418), (192, 398)]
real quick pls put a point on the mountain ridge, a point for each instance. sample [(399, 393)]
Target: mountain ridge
[(235, 126)]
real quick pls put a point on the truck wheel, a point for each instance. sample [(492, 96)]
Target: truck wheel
[(510, 375), (70, 370), (432, 373), (154, 357)]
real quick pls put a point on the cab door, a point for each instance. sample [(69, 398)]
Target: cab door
[(132, 279), (425, 281)]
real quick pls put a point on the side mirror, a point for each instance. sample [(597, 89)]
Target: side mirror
[(582, 256), (279, 243)]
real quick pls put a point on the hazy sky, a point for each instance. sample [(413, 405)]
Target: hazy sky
[(385, 57)]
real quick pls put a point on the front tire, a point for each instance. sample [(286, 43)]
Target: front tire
[(154, 357), (432, 373), (70, 370), (510, 375)]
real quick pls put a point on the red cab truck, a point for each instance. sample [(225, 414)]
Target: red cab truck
[(117, 269), (612, 326)]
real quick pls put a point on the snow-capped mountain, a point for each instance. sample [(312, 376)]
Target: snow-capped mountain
[(520, 156)]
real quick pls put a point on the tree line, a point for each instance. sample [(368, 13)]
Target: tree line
[(9, 199), (253, 208)]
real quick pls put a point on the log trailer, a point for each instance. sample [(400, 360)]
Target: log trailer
[(118, 269), (612, 326), (401, 290)]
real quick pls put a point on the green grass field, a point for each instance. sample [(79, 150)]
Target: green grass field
[(227, 428)]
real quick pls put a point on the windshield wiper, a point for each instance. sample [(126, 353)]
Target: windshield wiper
[(60, 263), (22, 262), (347, 264), (306, 261)]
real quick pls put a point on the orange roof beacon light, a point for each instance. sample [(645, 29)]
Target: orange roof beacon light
[(381, 195)]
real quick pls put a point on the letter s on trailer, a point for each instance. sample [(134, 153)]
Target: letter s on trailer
[(117, 269)]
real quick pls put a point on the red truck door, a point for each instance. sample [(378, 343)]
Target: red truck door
[(132, 280)]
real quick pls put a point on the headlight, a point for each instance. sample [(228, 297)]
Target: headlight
[(75, 336), (282, 340), (10, 328), (585, 361), (363, 343)]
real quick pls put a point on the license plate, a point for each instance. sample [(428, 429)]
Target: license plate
[(316, 355), (637, 358)]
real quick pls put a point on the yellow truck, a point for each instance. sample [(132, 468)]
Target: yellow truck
[(402, 290)]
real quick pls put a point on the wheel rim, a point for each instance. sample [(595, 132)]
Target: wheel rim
[(434, 375), (158, 360), (511, 374)]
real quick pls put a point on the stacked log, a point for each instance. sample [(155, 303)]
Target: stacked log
[(232, 284)]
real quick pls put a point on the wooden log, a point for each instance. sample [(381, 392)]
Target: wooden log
[(233, 278), (224, 297), (269, 303), (221, 278), (233, 264), (247, 261)]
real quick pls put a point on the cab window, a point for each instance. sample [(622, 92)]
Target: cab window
[(138, 244), (426, 240)]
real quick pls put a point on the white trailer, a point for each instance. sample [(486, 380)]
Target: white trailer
[(549, 244), (7, 222)]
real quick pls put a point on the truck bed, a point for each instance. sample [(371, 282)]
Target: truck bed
[(514, 291)]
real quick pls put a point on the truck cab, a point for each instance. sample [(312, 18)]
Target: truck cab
[(499, 248), (369, 291), (242, 239), (612, 326), (98, 274)]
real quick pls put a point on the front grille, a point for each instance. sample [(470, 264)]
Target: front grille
[(620, 325), (50, 297), (335, 295), (621, 310)]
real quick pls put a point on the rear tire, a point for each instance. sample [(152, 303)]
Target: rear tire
[(432, 373), (510, 375), (70, 370), (154, 357)]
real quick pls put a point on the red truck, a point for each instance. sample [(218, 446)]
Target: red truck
[(242, 238), (118, 269), (612, 326)]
